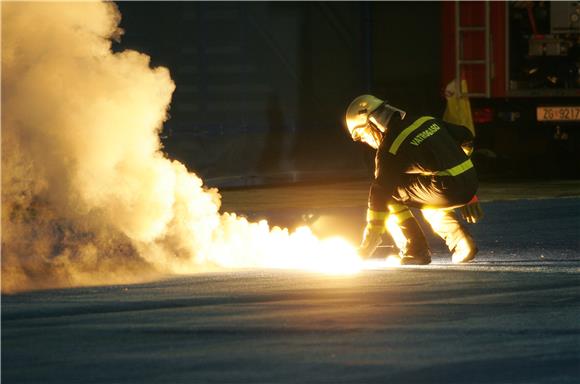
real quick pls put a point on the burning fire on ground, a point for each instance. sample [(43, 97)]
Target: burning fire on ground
[(87, 195)]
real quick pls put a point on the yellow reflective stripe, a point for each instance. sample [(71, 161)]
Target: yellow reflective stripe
[(406, 132), (376, 215), (381, 226), (402, 216), (457, 170), (400, 212), (394, 208)]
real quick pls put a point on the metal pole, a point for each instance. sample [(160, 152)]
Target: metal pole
[(457, 50), (507, 50), (487, 51)]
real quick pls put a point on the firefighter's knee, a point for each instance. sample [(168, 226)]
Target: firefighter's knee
[(442, 221), (400, 212)]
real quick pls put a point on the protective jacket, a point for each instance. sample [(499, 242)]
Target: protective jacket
[(421, 162)]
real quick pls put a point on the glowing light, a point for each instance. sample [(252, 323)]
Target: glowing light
[(390, 261), (333, 255), (393, 261), (245, 244)]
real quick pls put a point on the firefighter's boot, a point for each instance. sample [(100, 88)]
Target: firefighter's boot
[(465, 250), (446, 224), (409, 236)]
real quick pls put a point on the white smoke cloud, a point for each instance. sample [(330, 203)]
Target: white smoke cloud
[(87, 195), (80, 148)]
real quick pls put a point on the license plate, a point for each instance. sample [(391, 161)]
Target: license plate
[(558, 113)]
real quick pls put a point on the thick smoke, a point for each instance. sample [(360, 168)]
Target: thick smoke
[(83, 181), (87, 195)]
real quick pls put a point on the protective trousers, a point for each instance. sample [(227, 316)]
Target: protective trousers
[(430, 191), (437, 197), (445, 223), (408, 235)]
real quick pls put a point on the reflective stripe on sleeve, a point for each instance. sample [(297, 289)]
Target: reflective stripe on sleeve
[(457, 170), (406, 132)]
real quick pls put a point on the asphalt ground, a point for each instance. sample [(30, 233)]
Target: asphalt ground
[(509, 317), (355, 193)]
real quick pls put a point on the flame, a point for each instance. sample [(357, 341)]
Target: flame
[(305, 251), (257, 245), (88, 195)]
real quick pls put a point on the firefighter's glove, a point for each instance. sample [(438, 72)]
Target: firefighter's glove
[(373, 232), (472, 212)]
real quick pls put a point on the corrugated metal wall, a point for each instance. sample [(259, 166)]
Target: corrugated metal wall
[(262, 87)]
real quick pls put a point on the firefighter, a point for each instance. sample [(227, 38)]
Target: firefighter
[(421, 162)]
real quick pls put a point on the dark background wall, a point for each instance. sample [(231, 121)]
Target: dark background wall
[(262, 86)]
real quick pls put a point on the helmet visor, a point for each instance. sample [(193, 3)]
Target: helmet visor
[(381, 116)]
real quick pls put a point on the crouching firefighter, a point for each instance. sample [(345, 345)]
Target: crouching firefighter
[(421, 162)]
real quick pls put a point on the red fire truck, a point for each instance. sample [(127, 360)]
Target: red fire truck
[(521, 62)]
